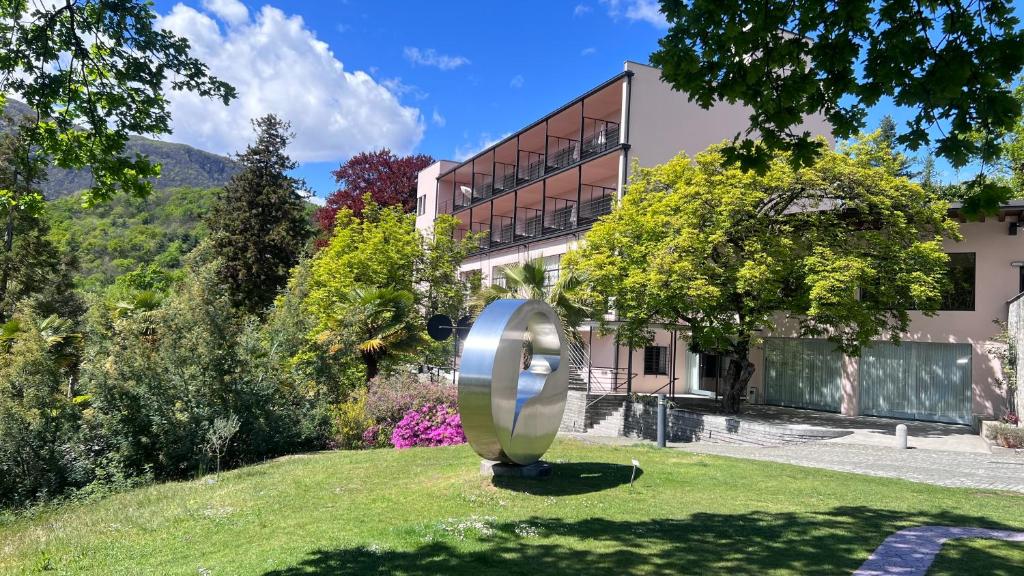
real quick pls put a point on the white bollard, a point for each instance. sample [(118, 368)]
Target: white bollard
[(901, 436)]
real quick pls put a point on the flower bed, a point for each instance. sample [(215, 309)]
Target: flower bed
[(430, 425)]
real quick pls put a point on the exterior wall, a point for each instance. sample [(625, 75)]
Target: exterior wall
[(426, 185), (663, 123), (996, 282)]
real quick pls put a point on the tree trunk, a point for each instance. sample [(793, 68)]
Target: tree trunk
[(741, 369), (372, 366)]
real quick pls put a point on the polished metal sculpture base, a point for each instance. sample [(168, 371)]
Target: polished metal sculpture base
[(538, 470)]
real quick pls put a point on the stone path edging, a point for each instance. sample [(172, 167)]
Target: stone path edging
[(910, 552)]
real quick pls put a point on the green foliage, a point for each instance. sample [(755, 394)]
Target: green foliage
[(259, 225), (41, 452), (1006, 435), (845, 247), (350, 420), (134, 236), (951, 62), (160, 378), (528, 280), (95, 72)]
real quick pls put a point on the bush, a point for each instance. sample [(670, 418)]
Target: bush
[(390, 397), (431, 425), (350, 421), (1006, 435)]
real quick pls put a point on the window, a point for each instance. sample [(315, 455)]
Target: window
[(960, 292), (421, 205), (656, 360), (551, 269)]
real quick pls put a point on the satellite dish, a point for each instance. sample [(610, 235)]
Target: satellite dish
[(465, 323), (439, 327)]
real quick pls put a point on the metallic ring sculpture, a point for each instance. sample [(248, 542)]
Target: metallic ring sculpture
[(511, 414)]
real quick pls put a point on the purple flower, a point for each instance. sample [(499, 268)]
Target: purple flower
[(430, 425)]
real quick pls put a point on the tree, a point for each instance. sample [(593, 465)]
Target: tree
[(951, 62), (377, 324), (441, 289), (259, 225), (387, 179), (841, 249), (96, 71), (528, 280)]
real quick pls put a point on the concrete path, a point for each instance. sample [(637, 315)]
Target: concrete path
[(940, 467), (911, 552)]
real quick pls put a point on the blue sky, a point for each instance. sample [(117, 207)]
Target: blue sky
[(439, 79)]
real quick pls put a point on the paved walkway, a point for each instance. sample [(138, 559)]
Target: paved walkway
[(941, 467), (911, 552)]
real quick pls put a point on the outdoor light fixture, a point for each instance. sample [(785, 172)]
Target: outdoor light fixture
[(1013, 228), (1017, 263)]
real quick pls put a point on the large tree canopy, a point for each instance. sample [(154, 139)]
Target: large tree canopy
[(385, 178), (96, 71), (950, 62), (845, 247)]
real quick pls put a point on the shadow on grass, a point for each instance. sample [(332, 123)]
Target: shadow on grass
[(833, 541), (571, 478)]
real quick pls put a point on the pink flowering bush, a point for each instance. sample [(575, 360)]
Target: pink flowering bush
[(430, 425)]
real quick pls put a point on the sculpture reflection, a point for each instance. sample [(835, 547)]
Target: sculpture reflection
[(511, 408)]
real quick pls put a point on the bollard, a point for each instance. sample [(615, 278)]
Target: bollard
[(661, 420), (901, 436)]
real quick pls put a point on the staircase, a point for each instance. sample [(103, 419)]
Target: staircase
[(606, 416)]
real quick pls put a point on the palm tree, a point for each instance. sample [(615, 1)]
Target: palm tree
[(379, 323), (527, 281)]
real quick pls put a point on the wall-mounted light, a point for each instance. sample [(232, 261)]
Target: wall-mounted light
[(1017, 263), (1013, 228)]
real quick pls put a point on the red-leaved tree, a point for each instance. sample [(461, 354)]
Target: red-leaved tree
[(390, 180)]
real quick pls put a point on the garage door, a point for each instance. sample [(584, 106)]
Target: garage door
[(917, 380), (802, 373)]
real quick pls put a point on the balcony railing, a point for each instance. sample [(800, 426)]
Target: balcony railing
[(595, 201), (463, 195), (561, 214), (531, 166), (483, 186), (562, 152), (598, 136), (504, 176), (528, 223), (501, 230)]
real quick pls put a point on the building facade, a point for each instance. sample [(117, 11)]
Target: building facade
[(536, 193)]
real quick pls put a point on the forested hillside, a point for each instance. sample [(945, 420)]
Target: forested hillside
[(127, 233)]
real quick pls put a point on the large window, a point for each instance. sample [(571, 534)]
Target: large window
[(960, 292), (655, 360)]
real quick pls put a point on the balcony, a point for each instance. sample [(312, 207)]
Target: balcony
[(562, 203), (574, 135)]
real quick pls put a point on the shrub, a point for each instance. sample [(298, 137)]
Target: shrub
[(1011, 418), (431, 425), (390, 397), (1006, 435), (351, 421)]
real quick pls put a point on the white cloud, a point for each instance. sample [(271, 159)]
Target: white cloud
[(636, 11), (399, 88), (278, 66), (466, 151), (437, 119), (230, 11), (517, 81), (430, 57), (588, 51), (580, 10)]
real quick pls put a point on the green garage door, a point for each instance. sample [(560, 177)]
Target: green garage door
[(917, 380), (802, 373)]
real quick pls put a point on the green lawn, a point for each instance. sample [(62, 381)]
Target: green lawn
[(427, 511)]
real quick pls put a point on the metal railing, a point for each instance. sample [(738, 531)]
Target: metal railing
[(561, 214), (483, 186), (595, 201), (501, 230), (531, 166), (562, 152), (598, 136), (504, 176), (528, 222)]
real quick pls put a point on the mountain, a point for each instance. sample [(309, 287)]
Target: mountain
[(183, 165)]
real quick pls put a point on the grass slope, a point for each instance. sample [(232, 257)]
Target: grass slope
[(427, 511)]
